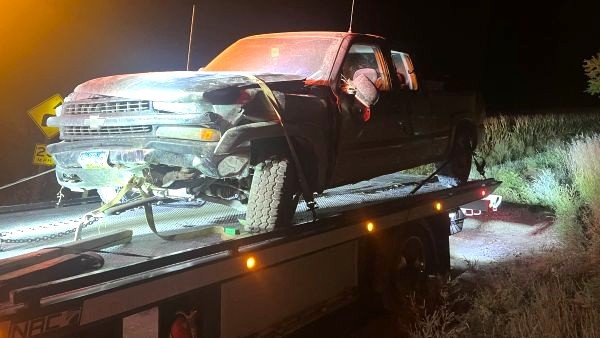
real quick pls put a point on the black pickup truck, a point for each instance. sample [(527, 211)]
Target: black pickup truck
[(270, 116)]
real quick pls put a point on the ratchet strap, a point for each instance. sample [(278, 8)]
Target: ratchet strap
[(306, 193), (96, 213), (171, 237)]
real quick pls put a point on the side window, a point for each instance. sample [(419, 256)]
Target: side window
[(405, 70), (364, 58)]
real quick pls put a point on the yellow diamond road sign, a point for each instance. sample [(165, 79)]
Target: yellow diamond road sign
[(41, 157), (40, 114)]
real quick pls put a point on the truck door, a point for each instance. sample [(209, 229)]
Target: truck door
[(362, 148)]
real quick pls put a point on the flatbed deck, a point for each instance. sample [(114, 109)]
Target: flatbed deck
[(180, 217)]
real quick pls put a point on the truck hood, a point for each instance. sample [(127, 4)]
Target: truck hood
[(176, 86)]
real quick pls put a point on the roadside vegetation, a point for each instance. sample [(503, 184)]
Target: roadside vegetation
[(551, 161)]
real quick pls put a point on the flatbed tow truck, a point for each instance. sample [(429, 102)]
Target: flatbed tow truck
[(121, 280)]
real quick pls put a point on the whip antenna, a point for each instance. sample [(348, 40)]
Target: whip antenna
[(351, 16), (187, 67)]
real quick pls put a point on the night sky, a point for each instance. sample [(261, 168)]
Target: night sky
[(523, 56)]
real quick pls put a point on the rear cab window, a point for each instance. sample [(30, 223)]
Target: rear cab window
[(405, 70)]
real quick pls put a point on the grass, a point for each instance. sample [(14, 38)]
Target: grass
[(552, 161), (546, 160), (554, 295), (511, 138)]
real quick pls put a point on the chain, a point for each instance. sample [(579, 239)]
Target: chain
[(26, 179), (84, 222), (87, 220)]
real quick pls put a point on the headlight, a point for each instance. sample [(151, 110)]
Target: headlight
[(189, 133), (58, 110)]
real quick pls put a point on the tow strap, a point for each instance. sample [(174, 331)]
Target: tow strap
[(94, 215), (306, 193), (146, 201)]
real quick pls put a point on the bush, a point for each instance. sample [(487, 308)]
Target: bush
[(584, 164), (592, 71)]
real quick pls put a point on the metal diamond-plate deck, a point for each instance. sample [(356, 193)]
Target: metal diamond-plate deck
[(182, 216)]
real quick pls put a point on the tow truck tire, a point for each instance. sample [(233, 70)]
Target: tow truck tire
[(457, 170), (272, 201), (409, 265)]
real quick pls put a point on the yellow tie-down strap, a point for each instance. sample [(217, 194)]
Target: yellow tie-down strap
[(268, 93), (308, 196)]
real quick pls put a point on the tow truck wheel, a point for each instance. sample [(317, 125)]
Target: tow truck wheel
[(272, 201), (457, 170), (410, 265)]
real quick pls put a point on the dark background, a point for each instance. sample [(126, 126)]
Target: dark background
[(524, 56)]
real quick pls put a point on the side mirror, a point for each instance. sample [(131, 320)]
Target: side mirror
[(366, 92)]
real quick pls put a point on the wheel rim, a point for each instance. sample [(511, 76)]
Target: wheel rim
[(410, 266)]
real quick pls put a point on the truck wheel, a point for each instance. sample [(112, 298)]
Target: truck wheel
[(272, 201), (408, 272), (457, 170)]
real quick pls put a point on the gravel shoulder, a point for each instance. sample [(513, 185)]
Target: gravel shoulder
[(511, 232)]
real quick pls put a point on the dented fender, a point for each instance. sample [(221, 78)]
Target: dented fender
[(309, 144), (236, 136)]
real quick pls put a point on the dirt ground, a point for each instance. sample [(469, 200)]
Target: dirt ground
[(510, 232)]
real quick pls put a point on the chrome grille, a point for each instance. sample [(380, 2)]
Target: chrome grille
[(105, 107), (71, 131)]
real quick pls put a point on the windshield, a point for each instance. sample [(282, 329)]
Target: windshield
[(307, 56)]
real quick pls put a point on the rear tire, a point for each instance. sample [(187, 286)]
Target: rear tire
[(272, 201), (457, 170)]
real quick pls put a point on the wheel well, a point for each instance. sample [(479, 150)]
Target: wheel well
[(377, 254), (435, 230), (261, 149), (471, 129), (438, 230)]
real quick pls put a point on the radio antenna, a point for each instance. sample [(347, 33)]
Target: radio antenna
[(187, 67), (351, 16)]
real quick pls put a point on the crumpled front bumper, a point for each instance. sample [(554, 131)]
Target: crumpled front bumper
[(120, 159)]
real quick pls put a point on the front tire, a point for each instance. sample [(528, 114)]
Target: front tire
[(273, 199)]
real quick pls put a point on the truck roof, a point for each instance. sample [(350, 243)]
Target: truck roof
[(312, 34)]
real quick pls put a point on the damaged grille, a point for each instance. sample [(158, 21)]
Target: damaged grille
[(71, 131), (106, 107)]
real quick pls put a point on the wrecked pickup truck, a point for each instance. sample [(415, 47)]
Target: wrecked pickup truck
[(270, 116)]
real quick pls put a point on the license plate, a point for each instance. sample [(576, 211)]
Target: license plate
[(93, 159)]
